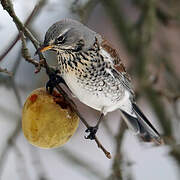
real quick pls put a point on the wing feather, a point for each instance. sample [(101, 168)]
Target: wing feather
[(119, 70)]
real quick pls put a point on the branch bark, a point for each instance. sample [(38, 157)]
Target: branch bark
[(28, 21), (117, 161), (7, 5)]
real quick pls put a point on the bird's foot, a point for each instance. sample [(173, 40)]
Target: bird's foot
[(92, 132), (54, 80)]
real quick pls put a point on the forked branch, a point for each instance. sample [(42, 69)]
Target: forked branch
[(7, 5)]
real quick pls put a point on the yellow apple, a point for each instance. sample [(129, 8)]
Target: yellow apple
[(47, 120)]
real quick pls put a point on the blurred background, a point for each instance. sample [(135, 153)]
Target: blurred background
[(146, 34)]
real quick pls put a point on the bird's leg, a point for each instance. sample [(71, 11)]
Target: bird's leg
[(92, 130), (54, 79)]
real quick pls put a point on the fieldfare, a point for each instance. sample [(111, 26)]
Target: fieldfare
[(95, 74)]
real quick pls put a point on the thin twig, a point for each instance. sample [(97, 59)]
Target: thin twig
[(29, 19), (21, 168), (117, 161), (2, 70), (7, 5), (168, 95), (26, 55), (4, 154), (37, 164), (108, 155), (79, 162)]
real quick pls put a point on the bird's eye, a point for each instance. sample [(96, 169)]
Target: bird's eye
[(61, 39)]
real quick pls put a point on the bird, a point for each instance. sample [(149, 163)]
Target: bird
[(94, 72)]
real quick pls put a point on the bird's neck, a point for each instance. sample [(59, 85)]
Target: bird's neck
[(80, 61)]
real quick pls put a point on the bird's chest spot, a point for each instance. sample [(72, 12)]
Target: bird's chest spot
[(88, 78)]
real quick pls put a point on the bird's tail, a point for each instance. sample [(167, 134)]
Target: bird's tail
[(141, 125)]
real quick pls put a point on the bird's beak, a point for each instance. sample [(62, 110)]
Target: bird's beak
[(43, 48)]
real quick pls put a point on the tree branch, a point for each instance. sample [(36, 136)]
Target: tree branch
[(117, 161), (6, 71), (4, 154), (29, 19), (7, 5)]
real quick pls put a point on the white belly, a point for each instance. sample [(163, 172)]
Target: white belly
[(96, 100), (84, 95)]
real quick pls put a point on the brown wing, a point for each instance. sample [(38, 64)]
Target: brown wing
[(108, 47), (119, 68)]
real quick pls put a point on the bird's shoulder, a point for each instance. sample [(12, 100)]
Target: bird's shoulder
[(119, 70), (116, 60)]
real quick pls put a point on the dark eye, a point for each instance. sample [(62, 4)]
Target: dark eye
[(61, 39)]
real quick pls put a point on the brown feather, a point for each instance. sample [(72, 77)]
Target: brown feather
[(118, 64)]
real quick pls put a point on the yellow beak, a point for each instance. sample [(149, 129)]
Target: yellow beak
[(44, 48)]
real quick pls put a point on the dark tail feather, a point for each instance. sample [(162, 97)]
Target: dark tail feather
[(141, 125)]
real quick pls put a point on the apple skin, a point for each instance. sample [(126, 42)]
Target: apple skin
[(47, 120)]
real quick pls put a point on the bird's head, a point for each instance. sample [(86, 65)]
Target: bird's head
[(67, 35)]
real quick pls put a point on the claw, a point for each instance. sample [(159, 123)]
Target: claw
[(50, 86), (54, 80), (92, 132)]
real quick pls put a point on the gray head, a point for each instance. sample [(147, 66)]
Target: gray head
[(69, 34)]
